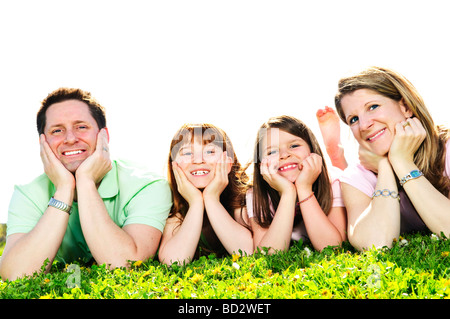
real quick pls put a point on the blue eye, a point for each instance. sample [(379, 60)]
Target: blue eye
[(353, 120), (373, 107)]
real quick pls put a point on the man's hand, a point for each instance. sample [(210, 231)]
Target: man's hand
[(95, 167), (54, 169)]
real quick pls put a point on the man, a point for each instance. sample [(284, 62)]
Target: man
[(85, 205)]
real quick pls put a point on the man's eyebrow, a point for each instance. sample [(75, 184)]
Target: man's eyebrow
[(74, 123)]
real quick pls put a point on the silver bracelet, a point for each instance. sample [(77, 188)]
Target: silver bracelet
[(59, 205), (386, 193)]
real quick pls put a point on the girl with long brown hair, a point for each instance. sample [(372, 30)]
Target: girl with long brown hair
[(293, 196), (208, 187)]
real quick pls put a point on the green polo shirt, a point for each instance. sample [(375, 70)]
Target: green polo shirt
[(131, 196)]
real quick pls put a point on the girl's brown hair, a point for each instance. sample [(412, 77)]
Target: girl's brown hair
[(263, 194), (430, 157)]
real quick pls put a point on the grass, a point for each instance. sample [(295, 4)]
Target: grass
[(416, 267)]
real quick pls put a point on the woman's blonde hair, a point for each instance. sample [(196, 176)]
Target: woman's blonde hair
[(430, 157)]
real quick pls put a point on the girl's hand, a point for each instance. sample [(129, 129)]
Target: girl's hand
[(409, 135), (220, 181), (186, 189), (369, 159), (311, 169), (96, 166), (269, 171), (55, 170)]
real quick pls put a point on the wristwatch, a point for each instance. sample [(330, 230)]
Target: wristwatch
[(59, 205), (411, 175)]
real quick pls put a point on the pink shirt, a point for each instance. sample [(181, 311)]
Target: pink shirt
[(365, 180)]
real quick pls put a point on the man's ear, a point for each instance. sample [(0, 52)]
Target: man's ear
[(405, 109), (107, 132)]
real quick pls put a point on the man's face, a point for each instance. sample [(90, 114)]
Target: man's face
[(71, 132)]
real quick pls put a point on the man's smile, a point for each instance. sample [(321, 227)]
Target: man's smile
[(75, 152)]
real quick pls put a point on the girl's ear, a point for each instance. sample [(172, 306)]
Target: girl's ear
[(405, 109), (229, 164)]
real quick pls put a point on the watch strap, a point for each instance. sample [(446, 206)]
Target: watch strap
[(59, 205), (411, 175)]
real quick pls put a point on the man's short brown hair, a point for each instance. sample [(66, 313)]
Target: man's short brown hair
[(65, 94)]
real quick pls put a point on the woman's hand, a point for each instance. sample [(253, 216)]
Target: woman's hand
[(409, 135), (370, 160)]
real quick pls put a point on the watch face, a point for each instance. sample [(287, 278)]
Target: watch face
[(415, 173)]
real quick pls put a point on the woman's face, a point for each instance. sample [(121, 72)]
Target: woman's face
[(198, 162), (287, 149), (372, 118)]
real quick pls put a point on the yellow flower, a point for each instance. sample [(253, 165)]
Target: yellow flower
[(444, 254), (325, 293), (137, 263), (197, 278), (251, 287), (235, 257), (246, 276)]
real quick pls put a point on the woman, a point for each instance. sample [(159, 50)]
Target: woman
[(402, 182)]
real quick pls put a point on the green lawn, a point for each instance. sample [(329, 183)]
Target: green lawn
[(417, 266)]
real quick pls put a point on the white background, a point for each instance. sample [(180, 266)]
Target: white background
[(155, 65)]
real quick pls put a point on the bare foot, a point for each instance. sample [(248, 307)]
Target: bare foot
[(329, 124)]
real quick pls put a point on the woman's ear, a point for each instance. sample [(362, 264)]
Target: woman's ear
[(405, 109)]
